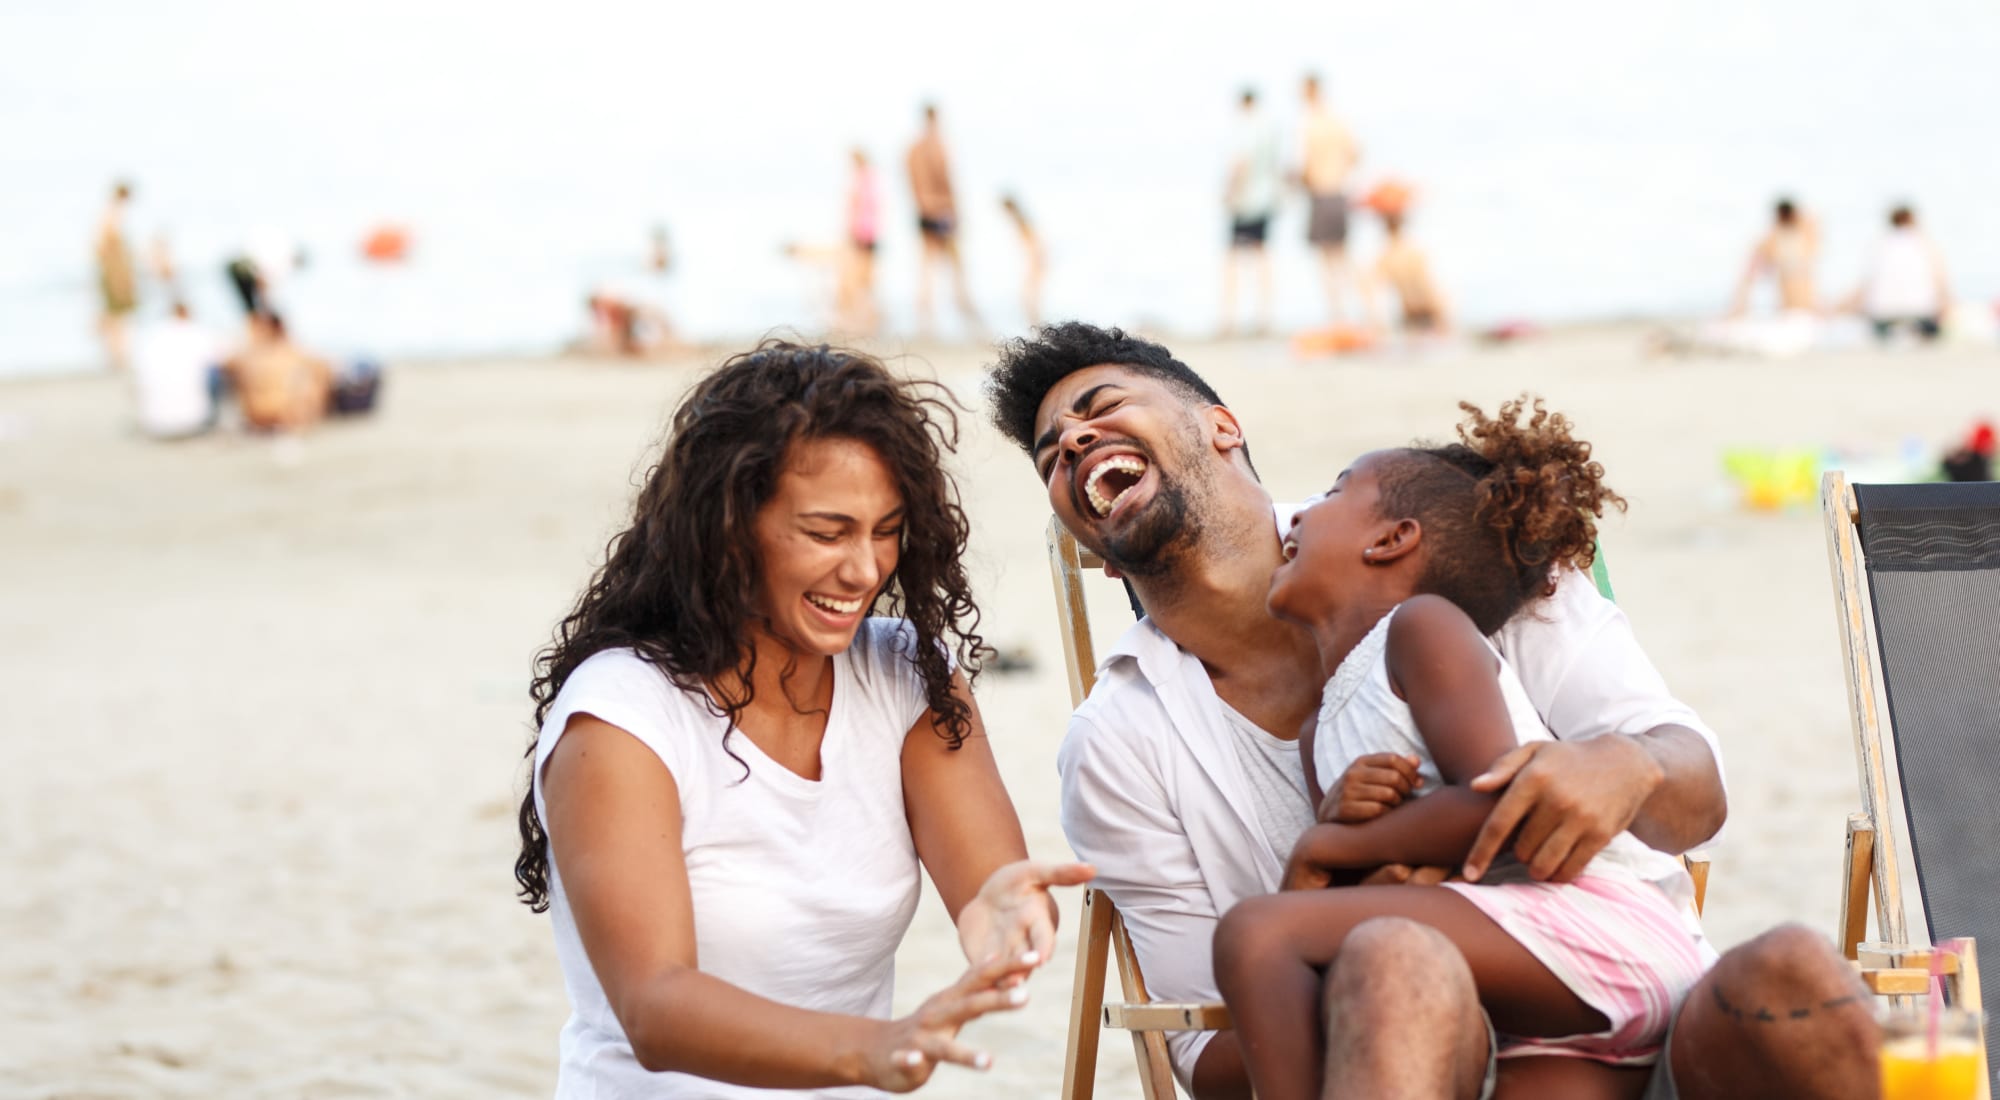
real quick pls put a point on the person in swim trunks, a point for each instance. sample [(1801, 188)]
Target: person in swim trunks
[(1251, 198), (937, 223), (1328, 156), (117, 279)]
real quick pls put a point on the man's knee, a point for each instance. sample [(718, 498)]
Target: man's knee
[(1402, 1014), (1388, 959), (1795, 964), (1783, 1014)]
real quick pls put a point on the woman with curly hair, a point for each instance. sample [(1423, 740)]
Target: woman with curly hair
[(755, 726), (1401, 572)]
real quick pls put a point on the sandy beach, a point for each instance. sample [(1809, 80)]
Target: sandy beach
[(266, 708)]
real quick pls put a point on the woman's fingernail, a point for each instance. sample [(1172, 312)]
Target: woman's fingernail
[(982, 1060), (1031, 958), (1018, 995), (910, 1058)]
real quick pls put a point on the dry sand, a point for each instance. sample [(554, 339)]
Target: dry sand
[(265, 713)]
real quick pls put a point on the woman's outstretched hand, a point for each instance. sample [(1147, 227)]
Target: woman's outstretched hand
[(1014, 916), (908, 1050)]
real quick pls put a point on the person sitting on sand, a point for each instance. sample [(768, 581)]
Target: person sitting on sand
[(175, 367), (1788, 252), (280, 386), (1406, 271), (1400, 572), (756, 733), (1905, 285)]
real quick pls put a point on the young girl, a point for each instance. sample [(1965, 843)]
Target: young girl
[(1401, 571)]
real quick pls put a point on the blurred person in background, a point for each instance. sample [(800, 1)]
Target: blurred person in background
[(661, 259), (1251, 197), (627, 312), (160, 261), (176, 376), (756, 734), (1033, 260), (117, 279), (280, 386), (261, 272), (856, 301), (1905, 285), (1788, 252), (1328, 155), (1405, 270), (937, 222)]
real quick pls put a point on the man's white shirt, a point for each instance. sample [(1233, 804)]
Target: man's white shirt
[(1155, 797)]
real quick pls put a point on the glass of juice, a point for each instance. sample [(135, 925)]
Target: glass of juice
[(1911, 1070)]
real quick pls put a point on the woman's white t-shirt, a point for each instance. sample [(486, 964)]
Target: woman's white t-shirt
[(802, 890)]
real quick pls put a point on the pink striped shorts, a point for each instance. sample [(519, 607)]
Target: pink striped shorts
[(1620, 946)]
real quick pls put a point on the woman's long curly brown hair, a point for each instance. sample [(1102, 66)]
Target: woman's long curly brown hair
[(1502, 508), (679, 585)]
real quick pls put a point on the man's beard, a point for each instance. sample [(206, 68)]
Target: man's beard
[(1150, 543)]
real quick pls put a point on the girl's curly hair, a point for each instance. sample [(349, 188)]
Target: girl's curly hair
[(1502, 508), (679, 585)]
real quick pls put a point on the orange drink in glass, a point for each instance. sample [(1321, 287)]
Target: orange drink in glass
[(1913, 1070)]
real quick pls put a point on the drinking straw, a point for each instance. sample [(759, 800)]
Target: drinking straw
[(1936, 1006)]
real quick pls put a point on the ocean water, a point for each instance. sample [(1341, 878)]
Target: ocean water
[(1573, 161)]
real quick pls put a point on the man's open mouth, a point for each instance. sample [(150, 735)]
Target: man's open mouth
[(1110, 480)]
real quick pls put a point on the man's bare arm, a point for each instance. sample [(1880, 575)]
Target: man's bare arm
[(1436, 830)]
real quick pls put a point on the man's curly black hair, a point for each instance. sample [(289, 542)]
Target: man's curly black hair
[(1030, 366)]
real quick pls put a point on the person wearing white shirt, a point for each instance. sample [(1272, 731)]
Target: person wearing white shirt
[(1251, 196), (173, 367), (1905, 284), (743, 771), (1144, 463)]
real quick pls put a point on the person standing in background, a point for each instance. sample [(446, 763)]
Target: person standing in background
[(856, 305), (117, 279), (1327, 158), (1905, 283), (661, 259), (937, 222), (1788, 252), (260, 272), (1251, 197), (1033, 261)]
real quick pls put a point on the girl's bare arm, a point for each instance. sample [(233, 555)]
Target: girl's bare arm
[(1444, 669)]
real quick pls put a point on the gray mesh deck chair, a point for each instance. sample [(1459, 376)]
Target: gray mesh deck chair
[(1916, 572)]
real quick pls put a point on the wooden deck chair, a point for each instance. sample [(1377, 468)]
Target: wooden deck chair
[(1916, 579), (1101, 932), (1101, 935)]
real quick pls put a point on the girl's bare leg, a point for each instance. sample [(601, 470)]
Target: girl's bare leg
[(1270, 953)]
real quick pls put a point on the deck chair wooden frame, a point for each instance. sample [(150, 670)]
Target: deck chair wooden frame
[(1892, 966), (1101, 935)]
